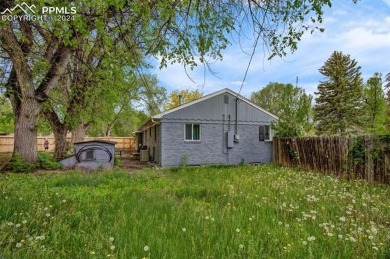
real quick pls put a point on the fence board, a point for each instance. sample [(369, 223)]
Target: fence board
[(358, 157), (126, 144)]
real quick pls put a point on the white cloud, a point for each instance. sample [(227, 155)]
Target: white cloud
[(361, 30), (387, 2)]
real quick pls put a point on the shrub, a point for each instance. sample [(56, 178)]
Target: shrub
[(46, 161), (18, 165)]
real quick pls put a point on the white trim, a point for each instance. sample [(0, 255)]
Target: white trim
[(192, 133)]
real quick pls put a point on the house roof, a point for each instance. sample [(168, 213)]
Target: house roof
[(225, 90), (98, 141)]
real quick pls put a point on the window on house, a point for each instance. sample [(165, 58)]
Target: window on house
[(155, 132), (192, 132), (265, 132)]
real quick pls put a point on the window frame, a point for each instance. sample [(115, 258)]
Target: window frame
[(267, 133), (88, 155), (192, 132)]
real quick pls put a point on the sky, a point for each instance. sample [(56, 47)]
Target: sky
[(360, 30)]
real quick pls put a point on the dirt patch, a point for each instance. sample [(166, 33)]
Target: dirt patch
[(129, 164)]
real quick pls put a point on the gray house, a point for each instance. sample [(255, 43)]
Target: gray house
[(219, 128)]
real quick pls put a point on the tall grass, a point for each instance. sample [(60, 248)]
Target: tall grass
[(212, 212)]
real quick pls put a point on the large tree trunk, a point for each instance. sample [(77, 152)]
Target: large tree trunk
[(78, 133), (26, 129), (60, 131), (60, 134)]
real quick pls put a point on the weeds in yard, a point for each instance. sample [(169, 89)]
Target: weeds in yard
[(212, 212)]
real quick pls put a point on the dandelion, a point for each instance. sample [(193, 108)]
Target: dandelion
[(112, 247), (207, 217), (304, 242), (280, 223), (312, 238), (146, 248), (18, 245), (92, 252), (370, 237), (237, 230), (24, 221), (184, 229), (17, 225), (340, 236), (241, 246), (352, 239), (47, 214), (111, 239), (342, 219)]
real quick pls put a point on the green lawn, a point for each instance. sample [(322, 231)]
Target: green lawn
[(212, 212)]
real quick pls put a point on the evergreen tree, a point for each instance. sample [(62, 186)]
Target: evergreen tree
[(339, 104), (375, 102)]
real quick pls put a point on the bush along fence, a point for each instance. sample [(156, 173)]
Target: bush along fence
[(350, 157)]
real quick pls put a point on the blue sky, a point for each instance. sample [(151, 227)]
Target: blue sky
[(361, 30)]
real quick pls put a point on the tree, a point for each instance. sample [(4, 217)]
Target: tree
[(269, 97), (6, 117), (176, 31), (375, 102), (387, 87), (339, 104), (185, 95), (150, 94), (291, 104)]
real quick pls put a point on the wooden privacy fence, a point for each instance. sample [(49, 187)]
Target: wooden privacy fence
[(125, 144), (358, 157)]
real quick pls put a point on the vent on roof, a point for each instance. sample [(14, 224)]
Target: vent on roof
[(226, 98)]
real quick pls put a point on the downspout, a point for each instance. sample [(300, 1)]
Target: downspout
[(223, 134), (236, 125)]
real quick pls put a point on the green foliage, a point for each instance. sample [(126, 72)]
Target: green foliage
[(219, 212), (117, 161), (6, 115), (358, 151), (376, 107), (186, 96), (18, 165), (339, 104), (46, 161), (291, 104)]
